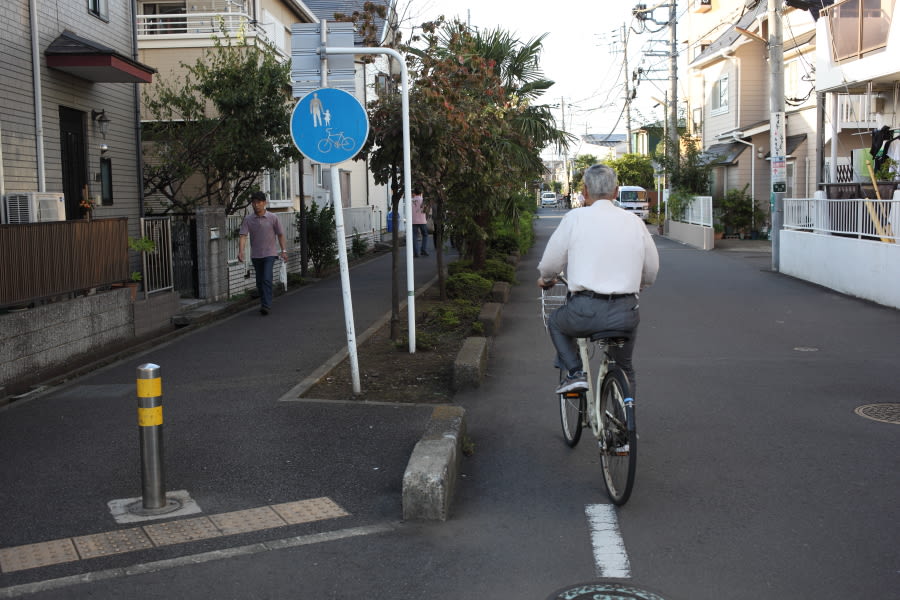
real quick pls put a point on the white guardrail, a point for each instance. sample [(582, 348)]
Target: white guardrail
[(860, 218)]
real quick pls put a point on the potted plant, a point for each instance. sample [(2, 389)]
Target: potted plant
[(141, 244), (718, 231), (739, 213)]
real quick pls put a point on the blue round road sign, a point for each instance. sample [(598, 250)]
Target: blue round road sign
[(329, 126)]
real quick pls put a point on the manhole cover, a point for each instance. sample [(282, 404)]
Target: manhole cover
[(886, 413), (606, 591)]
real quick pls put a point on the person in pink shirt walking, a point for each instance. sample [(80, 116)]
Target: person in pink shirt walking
[(419, 224)]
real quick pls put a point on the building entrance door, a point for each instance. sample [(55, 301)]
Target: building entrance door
[(74, 165)]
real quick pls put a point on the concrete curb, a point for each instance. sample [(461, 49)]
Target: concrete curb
[(430, 477), (470, 363)]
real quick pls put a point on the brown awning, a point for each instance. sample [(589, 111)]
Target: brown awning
[(93, 61)]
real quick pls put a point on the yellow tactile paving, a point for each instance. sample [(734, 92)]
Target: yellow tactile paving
[(112, 542), (306, 511), (42, 554), (32, 556), (179, 532), (242, 521)]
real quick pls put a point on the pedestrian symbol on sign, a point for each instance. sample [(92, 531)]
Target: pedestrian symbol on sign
[(329, 126)]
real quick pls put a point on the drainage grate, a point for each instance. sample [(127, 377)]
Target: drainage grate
[(885, 413)]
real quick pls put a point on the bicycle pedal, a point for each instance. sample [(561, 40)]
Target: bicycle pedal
[(622, 450)]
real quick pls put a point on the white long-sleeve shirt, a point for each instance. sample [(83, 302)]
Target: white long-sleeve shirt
[(602, 249)]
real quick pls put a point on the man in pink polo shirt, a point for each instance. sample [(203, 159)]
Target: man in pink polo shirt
[(266, 236)]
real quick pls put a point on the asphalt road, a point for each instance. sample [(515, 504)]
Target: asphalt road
[(756, 479)]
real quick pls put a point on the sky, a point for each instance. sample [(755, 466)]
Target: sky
[(580, 54)]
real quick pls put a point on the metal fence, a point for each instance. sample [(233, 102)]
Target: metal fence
[(157, 265), (859, 218), (699, 211), (48, 259), (364, 221)]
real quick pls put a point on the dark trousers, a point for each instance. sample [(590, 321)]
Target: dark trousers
[(582, 316), (263, 267)]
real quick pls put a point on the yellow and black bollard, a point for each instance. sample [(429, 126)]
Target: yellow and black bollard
[(150, 422)]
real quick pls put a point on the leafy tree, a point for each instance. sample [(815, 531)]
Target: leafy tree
[(475, 131), (693, 170), (215, 130), (321, 236), (582, 162), (634, 169)]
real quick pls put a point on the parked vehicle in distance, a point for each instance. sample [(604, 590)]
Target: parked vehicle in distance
[(633, 198), (549, 199)]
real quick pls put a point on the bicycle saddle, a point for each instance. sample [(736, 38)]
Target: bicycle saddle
[(616, 338)]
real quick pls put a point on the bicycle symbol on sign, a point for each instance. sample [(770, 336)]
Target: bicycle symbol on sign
[(334, 140)]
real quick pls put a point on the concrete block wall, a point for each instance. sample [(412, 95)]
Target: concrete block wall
[(47, 337)]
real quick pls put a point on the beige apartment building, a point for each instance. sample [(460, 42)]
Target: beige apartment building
[(839, 84), (728, 84)]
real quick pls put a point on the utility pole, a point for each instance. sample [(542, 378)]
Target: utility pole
[(673, 93), (776, 125), (627, 85), (566, 152)]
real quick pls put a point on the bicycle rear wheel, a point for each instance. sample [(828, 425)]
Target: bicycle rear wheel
[(571, 414), (618, 436)]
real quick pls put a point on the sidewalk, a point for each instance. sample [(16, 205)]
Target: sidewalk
[(736, 245), (230, 445)]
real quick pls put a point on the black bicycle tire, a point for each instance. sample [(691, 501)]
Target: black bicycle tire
[(618, 485), (571, 432)]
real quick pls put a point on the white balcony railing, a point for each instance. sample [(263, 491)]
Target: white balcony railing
[(192, 23), (205, 24), (857, 111)]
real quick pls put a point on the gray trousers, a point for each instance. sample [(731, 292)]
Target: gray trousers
[(582, 316)]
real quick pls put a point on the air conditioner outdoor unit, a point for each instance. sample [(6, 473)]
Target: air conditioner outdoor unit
[(34, 207)]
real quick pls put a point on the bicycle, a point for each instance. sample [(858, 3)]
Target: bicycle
[(607, 407), (334, 140)]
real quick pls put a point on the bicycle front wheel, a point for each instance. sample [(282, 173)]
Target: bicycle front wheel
[(571, 414), (618, 436)]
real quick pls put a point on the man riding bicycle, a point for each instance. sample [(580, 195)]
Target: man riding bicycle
[(608, 256)]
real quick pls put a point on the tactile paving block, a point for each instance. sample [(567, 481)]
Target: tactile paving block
[(306, 511), (112, 542), (179, 532), (32, 556), (242, 521)]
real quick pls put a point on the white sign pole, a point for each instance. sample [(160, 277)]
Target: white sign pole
[(407, 183), (345, 276), (338, 206)]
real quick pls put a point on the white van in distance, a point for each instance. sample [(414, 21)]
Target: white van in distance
[(633, 198)]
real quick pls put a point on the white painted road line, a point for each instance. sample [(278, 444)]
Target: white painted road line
[(610, 556)]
